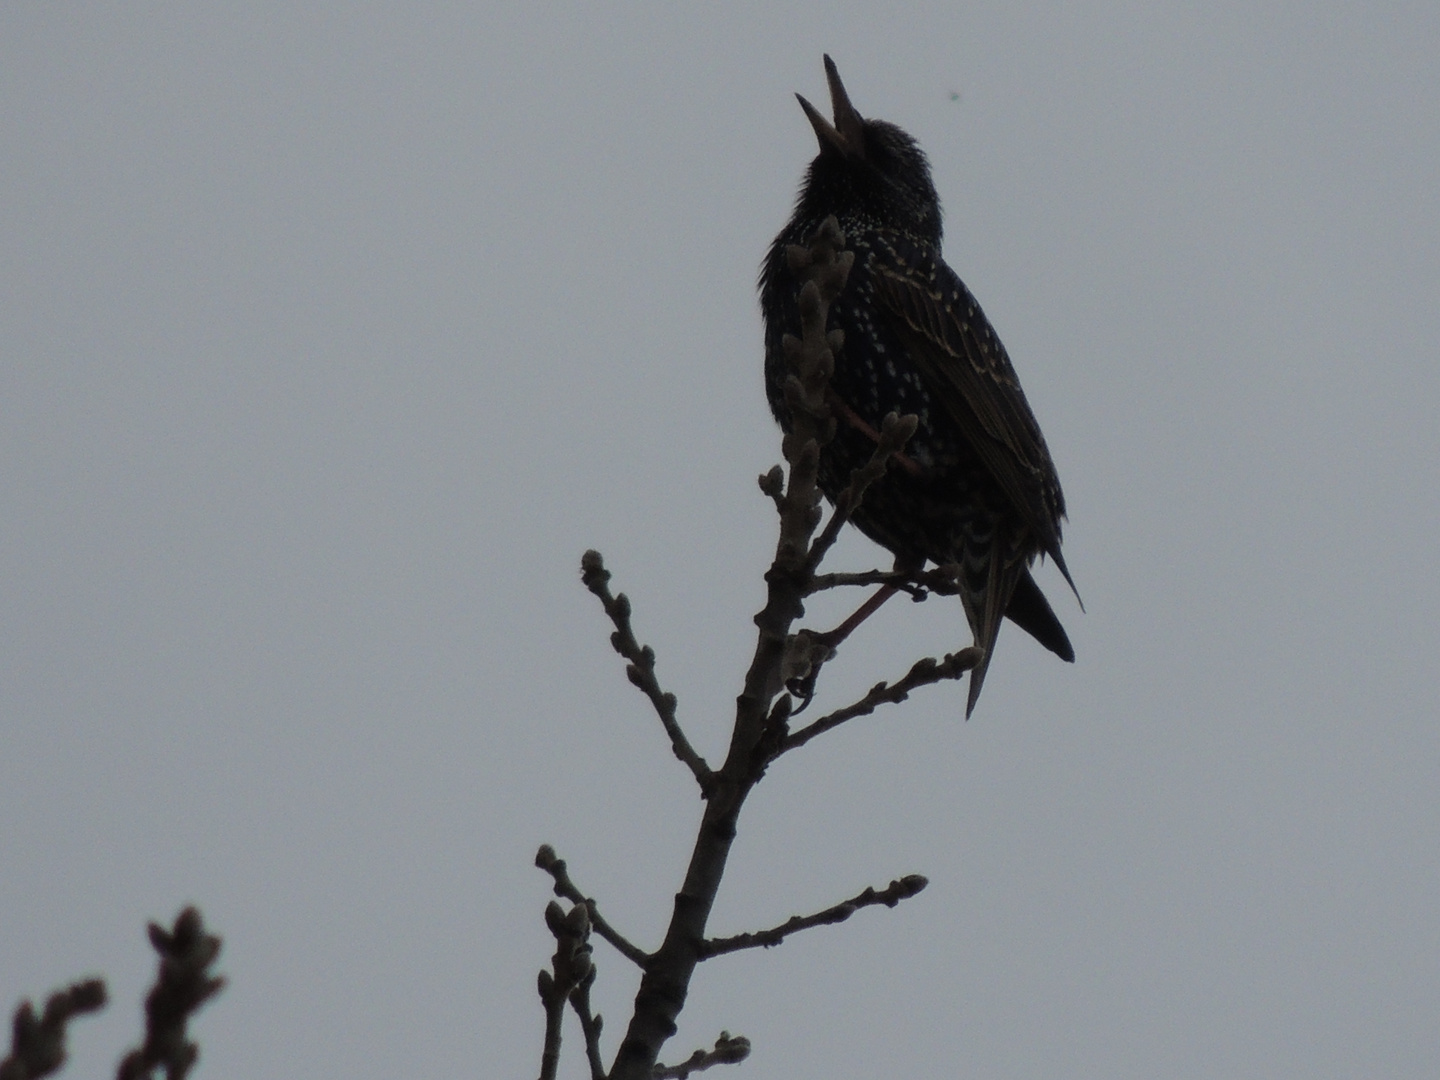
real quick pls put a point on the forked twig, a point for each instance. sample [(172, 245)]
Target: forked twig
[(571, 969), (552, 864)]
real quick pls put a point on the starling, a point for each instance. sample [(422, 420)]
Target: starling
[(976, 488)]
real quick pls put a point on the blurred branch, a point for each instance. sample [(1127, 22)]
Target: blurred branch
[(182, 985), (900, 889), (641, 666), (37, 1044), (552, 864), (729, 1050)]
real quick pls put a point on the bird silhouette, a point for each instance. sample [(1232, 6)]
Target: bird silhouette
[(976, 488)]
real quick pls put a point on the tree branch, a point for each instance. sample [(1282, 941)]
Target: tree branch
[(824, 266), (729, 1050), (922, 673), (897, 890), (37, 1044), (641, 668), (552, 864)]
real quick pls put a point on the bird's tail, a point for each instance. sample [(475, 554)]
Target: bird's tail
[(1030, 611), (987, 586)]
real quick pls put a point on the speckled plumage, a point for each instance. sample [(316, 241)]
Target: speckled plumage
[(982, 491)]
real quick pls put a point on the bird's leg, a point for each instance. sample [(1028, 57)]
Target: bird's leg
[(818, 648), (821, 647), (855, 420), (833, 638)]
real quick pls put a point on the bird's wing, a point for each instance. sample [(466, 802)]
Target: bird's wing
[(966, 369)]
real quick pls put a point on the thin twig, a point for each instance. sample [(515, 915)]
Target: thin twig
[(590, 1025), (863, 578), (939, 580), (552, 864), (641, 668), (554, 1015), (571, 969), (922, 673), (37, 1043), (729, 1050), (900, 889)]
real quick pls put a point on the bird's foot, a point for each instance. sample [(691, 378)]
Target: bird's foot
[(805, 654)]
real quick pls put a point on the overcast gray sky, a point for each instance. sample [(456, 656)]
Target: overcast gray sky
[(331, 335)]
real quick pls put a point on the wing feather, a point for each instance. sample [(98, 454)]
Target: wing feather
[(964, 366)]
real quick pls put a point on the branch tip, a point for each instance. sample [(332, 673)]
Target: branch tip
[(592, 570), (899, 889), (729, 1050)]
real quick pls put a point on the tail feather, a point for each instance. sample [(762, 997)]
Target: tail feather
[(985, 608), (1030, 611), (1054, 553), (977, 679)]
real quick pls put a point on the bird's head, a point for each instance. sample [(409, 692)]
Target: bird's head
[(868, 168)]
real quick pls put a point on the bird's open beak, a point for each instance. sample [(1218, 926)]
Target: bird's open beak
[(846, 134)]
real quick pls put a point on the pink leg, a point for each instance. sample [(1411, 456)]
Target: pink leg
[(832, 638)]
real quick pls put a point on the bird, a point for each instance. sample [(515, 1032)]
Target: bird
[(979, 492)]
